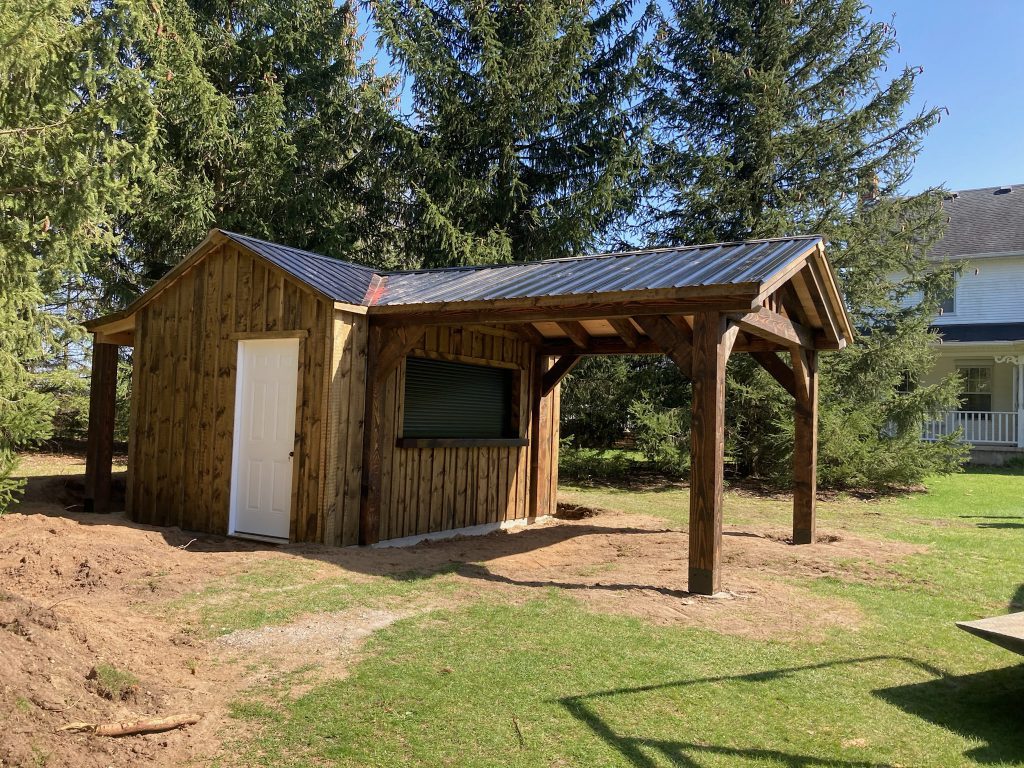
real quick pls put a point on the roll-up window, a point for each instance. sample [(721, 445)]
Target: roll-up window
[(456, 400)]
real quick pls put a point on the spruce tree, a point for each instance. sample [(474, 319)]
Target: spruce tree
[(269, 125), (524, 139), (76, 125), (776, 117)]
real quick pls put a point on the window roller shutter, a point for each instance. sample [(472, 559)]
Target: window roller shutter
[(455, 400)]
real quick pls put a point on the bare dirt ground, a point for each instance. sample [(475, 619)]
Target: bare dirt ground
[(77, 591)]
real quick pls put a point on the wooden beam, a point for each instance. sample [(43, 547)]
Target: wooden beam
[(608, 345), (776, 328), (557, 372), (100, 447), (711, 343), (671, 340), (121, 338), (529, 333), (370, 488), (832, 323), (399, 342), (626, 330), (576, 332), (778, 369), (805, 446), (806, 299), (605, 309)]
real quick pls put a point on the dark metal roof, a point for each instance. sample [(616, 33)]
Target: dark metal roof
[(981, 332), (340, 280), (982, 221), (751, 262), (723, 264)]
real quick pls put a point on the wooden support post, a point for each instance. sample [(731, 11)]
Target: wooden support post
[(100, 447), (712, 343), (805, 445), (538, 501), (369, 507)]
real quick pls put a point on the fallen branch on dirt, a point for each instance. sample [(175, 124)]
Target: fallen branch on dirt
[(130, 727)]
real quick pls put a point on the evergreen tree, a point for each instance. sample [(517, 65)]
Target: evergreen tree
[(776, 118), (270, 126), (76, 124), (524, 140)]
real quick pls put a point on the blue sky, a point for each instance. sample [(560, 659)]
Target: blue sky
[(972, 52), (974, 65)]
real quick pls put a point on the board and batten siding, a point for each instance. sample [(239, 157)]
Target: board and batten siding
[(183, 390), (987, 291), (427, 490)]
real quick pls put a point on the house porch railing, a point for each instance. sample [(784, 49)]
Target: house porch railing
[(979, 427)]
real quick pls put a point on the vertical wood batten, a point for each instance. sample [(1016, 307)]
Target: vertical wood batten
[(711, 346), (102, 407)]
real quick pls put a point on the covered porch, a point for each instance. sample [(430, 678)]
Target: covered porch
[(991, 415)]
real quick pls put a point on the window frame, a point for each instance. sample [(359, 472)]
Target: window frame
[(516, 425), (975, 389)]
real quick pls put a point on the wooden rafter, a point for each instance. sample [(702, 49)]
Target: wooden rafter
[(626, 330), (671, 340), (575, 331), (529, 333)]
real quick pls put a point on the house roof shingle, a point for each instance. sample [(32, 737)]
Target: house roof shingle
[(982, 221)]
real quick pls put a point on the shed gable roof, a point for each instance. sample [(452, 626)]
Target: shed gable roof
[(745, 272), (339, 280)]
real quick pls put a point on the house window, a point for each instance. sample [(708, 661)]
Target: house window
[(977, 387), (457, 401), (948, 304)]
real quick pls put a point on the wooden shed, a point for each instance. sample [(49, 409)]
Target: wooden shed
[(287, 396)]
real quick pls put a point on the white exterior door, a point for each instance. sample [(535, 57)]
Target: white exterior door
[(265, 392)]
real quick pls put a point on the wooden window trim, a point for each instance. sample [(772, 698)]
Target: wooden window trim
[(461, 442), (258, 335)]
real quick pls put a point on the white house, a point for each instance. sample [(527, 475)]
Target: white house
[(982, 322)]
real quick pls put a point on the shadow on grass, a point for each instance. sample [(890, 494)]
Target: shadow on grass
[(477, 571), (984, 706)]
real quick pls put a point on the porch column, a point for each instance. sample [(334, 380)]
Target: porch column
[(805, 445), (100, 446), (1020, 401), (712, 342)]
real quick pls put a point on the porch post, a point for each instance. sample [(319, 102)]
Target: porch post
[(1020, 401), (99, 450), (805, 445), (712, 342)]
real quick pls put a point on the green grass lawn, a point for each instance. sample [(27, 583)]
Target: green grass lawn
[(551, 683)]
